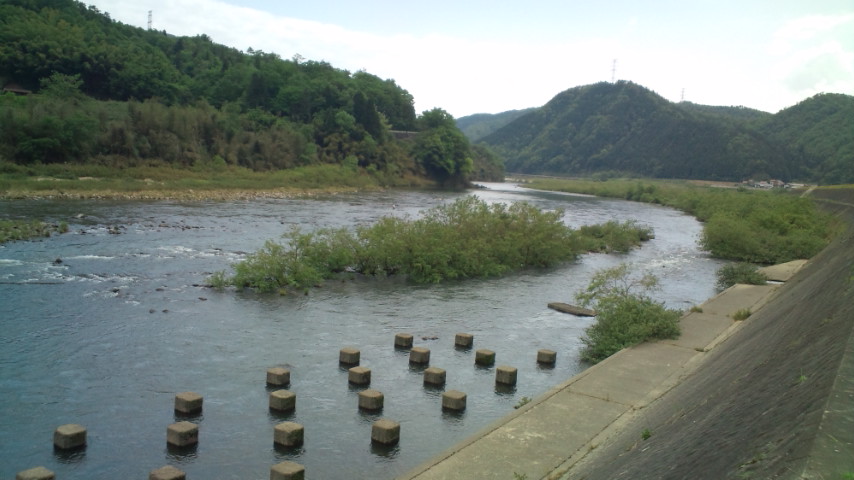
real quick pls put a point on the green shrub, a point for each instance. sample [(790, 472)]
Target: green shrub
[(743, 225), (613, 236), (741, 272), (306, 260), (625, 314), (464, 239)]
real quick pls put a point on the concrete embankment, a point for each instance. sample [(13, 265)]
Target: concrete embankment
[(771, 396)]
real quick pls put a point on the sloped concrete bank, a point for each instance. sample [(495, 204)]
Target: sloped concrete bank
[(768, 397)]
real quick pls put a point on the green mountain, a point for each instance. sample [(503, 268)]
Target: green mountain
[(623, 127), (109, 93), (819, 133), (480, 125)]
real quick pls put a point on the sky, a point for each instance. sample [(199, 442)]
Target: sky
[(482, 56)]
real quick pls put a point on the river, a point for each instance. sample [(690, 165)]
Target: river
[(103, 325)]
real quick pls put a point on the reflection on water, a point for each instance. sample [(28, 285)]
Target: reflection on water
[(108, 335)]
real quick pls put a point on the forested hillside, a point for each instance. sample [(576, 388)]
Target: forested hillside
[(819, 132), (110, 93), (623, 128), (480, 125)]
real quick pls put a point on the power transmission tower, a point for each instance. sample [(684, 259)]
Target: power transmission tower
[(149, 19), (683, 96), (614, 71)]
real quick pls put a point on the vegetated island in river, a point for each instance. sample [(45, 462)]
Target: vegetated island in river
[(464, 239)]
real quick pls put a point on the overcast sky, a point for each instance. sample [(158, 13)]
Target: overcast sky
[(491, 56)]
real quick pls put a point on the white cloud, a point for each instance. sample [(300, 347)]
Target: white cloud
[(809, 27), (812, 56)]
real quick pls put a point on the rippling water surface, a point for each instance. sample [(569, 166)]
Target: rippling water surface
[(103, 329)]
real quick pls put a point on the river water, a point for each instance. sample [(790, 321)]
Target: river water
[(103, 325)]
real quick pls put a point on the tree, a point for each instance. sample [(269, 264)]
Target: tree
[(442, 149), (367, 116), (62, 86)]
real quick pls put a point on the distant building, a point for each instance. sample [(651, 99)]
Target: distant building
[(773, 183), (403, 134)]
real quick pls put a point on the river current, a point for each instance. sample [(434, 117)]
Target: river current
[(103, 325)]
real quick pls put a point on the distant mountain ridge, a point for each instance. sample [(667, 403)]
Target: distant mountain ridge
[(480, 125), (626, 128)]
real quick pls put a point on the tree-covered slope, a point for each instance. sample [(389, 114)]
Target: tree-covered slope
[(119, 62), (480, 125), (819, 132), (623, 127), (114, 94)]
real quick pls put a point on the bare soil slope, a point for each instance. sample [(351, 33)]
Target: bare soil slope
[(774, 401)]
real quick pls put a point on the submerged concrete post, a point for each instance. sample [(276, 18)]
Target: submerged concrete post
[(167, 473), (454, 400), (371, 400), (349, 356), (288, 434), (385, 432), (434, 376), (287, 471), (283, 400), (419, 355), (505, 375), (546, 357), (484, 357), (67, 437), (359, 376), (188, 403), (182, 434), (278, 377), (37, 473), (403, 340), (464, 340)]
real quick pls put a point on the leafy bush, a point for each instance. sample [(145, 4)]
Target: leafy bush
[(741, 272), (625, 314), (464, 239), (613, 236), (308, 259), (766, 228), (743, 225)]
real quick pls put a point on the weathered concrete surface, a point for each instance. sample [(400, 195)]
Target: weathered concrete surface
[(782, 272), (543, 435), (768, 397), (775, 400)]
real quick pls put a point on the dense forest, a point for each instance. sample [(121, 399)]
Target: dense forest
[(623, 128), (81, 87)]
